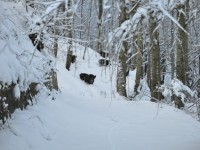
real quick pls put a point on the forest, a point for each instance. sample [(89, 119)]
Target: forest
[(158, 38), (129, 50)]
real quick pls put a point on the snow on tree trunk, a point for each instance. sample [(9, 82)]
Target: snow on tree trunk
[(121, 74), (181, 52), (122, 66)]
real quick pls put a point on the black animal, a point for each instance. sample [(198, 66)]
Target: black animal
[(34, 40), (88, 78), (104, 62), (104, 54)]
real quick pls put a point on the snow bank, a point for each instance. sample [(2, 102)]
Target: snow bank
[(19, 61), (85, 117), (82, 118)]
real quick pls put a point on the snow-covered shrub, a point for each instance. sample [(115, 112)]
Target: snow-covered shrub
[(176, 87)]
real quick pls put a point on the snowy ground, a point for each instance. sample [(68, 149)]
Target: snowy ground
[(94, 117), (88, 117)]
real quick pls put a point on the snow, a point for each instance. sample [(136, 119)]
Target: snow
[(178, 88), (19, 61), (17, 91), (160, 6), (82, 118), (88, 117), (141, 13)]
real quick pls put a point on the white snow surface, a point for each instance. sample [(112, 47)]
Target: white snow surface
[(20, 63), (85, 117), (92, 117)]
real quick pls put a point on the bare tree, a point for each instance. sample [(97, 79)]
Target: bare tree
[(139, 48), (154, 58), (99, 25), (122, 65), (69, 34), (181, 51)]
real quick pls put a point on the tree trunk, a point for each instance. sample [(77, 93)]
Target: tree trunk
[(88, 29), (154, 60), (81, 19), (121, 74), (138, 60), (148, 69), (8, 101), (69, 35), (181, 53), (69, 59), (55, 47), (133, 64), (122, 66), (172, 53), (182, 49), (99, 43), (52, 82)]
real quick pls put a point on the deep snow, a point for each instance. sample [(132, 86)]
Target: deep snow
[(85, 117), (88, 117)]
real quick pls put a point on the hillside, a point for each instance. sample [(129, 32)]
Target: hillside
[(87, 117)]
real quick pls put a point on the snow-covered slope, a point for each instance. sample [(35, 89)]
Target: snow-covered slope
[(82, 116), (20, 63), (88, 117)]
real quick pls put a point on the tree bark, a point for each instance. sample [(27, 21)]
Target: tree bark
[(154, 59), (69, 36), (181, 52), (122, 66), (121, 74), (138, 60), (100, 14), (182, 49)]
